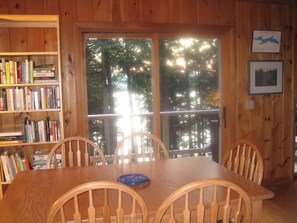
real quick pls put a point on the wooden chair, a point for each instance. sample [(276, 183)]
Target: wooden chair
[(245, 159), (75, 151), (101, 201), (140, 147), (207, 200)]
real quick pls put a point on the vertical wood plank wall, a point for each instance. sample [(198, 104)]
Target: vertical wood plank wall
[(270, 125)]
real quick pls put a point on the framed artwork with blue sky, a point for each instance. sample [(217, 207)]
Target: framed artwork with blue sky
[(266, 41)]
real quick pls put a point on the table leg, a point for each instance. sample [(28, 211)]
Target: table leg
[(257, 211)]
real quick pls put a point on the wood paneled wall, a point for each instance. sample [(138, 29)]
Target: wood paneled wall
[(270, 124)]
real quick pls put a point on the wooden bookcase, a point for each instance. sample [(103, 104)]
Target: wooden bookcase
[(35, 109)]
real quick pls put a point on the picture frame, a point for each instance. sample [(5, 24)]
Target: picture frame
[(266, 41), (265, 77)]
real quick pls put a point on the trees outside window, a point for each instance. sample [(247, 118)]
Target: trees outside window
[(189, 86), (120, 92)]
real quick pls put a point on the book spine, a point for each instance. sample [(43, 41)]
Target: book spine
[(49, 98), (13, 171), (22, 98), (28, 98), (54, 126), (19, 68), (16, 100), (9, 167), (48, 131), (11, 138), (43, 98), (27, 74), (36, 132), (23, 72), (2, 174), (27, 163), (12, 158), (43, 74), (58, 100), (16, 161), (31, 71), (36, 99), (5, 169), (58, 131), (45, 80), (1, 100), (7, 68), (21, 164), (31, 131), (26, 129), (12, 72), (4, 98), (15, 72), (10, 102), (3, 71)]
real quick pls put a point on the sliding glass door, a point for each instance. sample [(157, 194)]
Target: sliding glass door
[(122, 71)]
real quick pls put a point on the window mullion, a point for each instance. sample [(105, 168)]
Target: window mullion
[(156, 85)]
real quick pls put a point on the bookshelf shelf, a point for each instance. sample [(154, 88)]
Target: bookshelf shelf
[(30, 111), (30, 87), (27, 144), (27, 54)]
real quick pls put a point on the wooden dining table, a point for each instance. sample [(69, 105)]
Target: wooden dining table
[(32, 193)]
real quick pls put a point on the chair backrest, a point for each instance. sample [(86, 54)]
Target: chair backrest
[(207, 200), (245, 159), (75, 151), (140, 147), (103, 201)]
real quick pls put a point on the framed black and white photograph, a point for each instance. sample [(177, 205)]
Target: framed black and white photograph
[(266, 77), (266, 41)]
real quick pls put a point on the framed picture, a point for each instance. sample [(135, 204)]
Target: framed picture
[(266, 77), (266, 41)]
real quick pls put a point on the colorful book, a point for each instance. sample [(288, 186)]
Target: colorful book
[(27, 163), (2, 175), (11, 166), (12, 158), (11, 138), (19, 72), (11, 133), (5, 169), (7, 68)]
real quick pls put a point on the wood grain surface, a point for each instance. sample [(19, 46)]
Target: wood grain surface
[(32, 193)]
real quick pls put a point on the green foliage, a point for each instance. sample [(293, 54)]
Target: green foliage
[(188, 79)]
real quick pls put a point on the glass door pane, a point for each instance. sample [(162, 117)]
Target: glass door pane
[(119, 89), (189, 78)]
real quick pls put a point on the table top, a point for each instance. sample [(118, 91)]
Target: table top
[(32, 193)]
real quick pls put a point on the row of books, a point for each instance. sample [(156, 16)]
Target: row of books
[(44, 73), (33, 131), (11, 137), (25, 98), (25, 72), (11, 164), (40, 158), (16, 72), (41, 130)]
